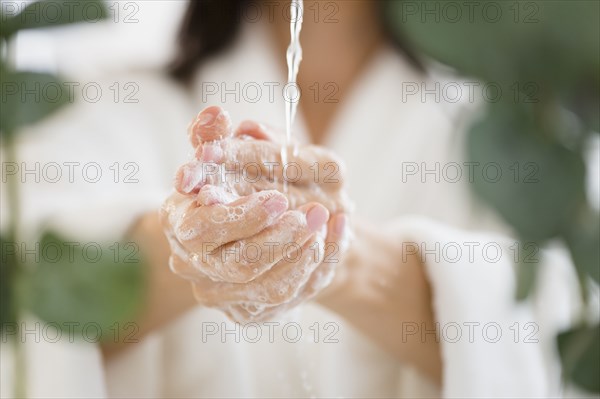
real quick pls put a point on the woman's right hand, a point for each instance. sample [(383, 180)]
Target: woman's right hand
[(242, 245)]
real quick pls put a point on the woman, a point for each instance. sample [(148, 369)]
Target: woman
[(394, 294)]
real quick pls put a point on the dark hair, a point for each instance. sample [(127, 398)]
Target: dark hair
[(211, 26)]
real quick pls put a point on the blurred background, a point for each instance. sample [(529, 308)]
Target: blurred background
[(551, 45), (133, 35)]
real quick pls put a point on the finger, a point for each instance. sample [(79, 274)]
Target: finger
[(173, 208), (335, 201), (336, 245), (190, 177), (246, 259), (246, 313), (322, 276), (210, 152), (211, 194), (311, 164), (197, 228), (247, 162), (180, 264), (279, 285), (254, 130), (252, 312), (212, 123), (338, 237)]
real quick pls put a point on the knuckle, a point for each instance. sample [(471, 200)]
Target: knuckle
[(183, 232), (232, 272), (280, 294)]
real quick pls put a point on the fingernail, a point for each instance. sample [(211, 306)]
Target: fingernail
[(207, 116), (316, 217), (184, 178), (340, 225), (276, 205), (247, 126), (190, 178), (251, 129), (211, 124)]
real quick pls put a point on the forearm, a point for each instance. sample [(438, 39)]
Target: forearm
[(168, 295), (379, 290)]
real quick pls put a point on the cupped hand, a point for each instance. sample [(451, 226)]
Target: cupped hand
[(246, 247), (233, 163)]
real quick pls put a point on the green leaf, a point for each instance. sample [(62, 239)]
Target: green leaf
[(8, 270), (579, 351), (49, 13), (552, 43), (534, 182), (84, 286), (466, 42), (28, 97), (583, 240), (584, 100)]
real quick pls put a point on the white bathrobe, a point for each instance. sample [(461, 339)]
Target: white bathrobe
[(381, 133)]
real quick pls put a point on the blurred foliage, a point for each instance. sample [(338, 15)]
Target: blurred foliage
[(7, 312), (554, 47), (83, 289), (579, 348), (13, 114), (553, 184), (49, 13), (67, 289)]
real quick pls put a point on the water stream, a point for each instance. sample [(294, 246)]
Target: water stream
[(292, 92)]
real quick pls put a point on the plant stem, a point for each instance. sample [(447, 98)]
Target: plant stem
[(14, 207), (12, 188), (20, 390)]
